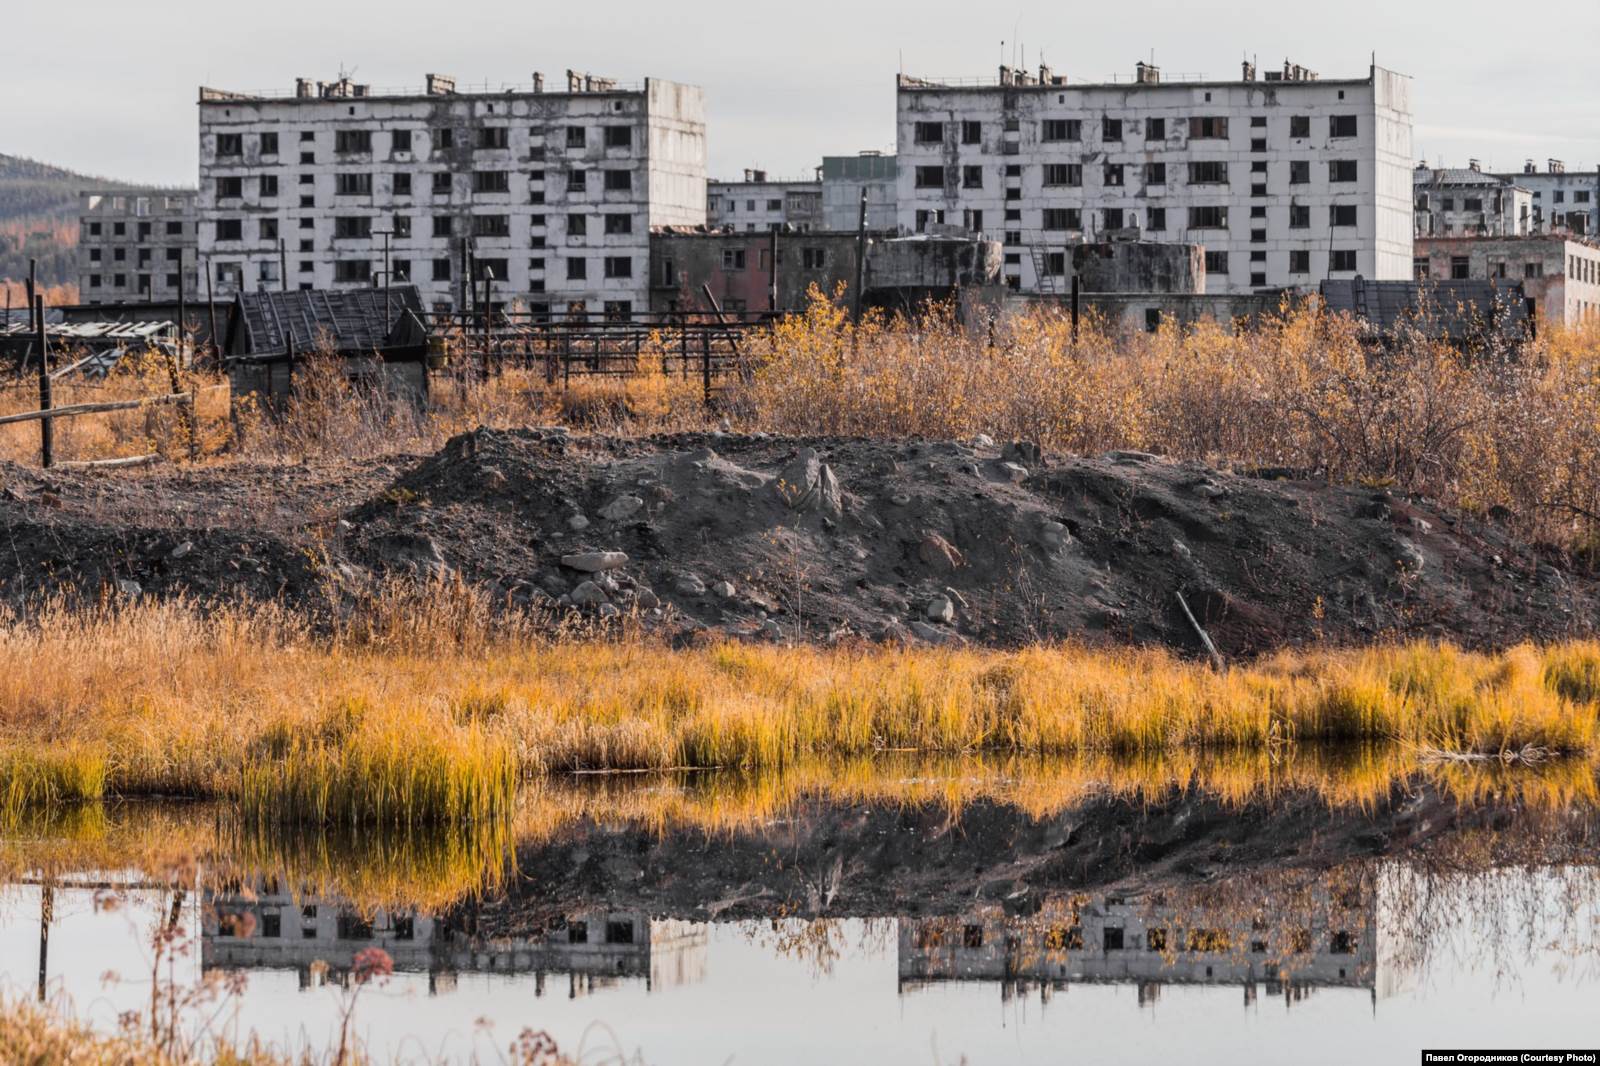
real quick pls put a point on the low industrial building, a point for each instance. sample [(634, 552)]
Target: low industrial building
[(1461, 313), (136, 244), (759, 203), (1559, 275), (900, 273)]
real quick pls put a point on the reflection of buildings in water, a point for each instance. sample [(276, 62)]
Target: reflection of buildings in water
[(1321, 936), (271, 929)]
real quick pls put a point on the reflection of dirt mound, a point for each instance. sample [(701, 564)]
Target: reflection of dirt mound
[(921, 860), (783, 537)]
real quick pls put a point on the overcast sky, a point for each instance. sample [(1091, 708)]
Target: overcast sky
[(108, 86)]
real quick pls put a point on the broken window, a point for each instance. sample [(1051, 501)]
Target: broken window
[(1341, 170), (1155, 173), (1208, 127), (813, 258), (443, 225), (230, 188), (1061, 129), (1299, 172), (1299, 216), (400, 140), (1299, 261), (971, 132), (1460, 267), (619, 266), (1062, 218), (927, 133), (491, 225), (1299, 126), (441, 269), (1112, 218), (926, 216), (352, 227), (1208, 218), (444, 139), (357, 271), (1342, 259), (352, 141), (930, 176), (1156, 219), (577, 180), (1472, 203), (1111, 129), (1342, 215), (401, 227), (1155, 939), (577, 269), (1111, 938), (268, 186), (1155, 129), (1533, 270), (229, 144), (1208, 172), (1070, 174), (353, 185), (1341, 126), (1421, 267), (402, 184), (619, 223), (1216, 262), (493, 137), (576, 137), (269, 232), (972, 177), (269, 144), (441, 182), (228, 229), (1113, 174), (733, 259), (619, 136), (491, 181), (577, 225)]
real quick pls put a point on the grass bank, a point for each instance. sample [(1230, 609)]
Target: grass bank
[(414, 727)]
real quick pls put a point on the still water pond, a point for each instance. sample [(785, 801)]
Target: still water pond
[(893, 934)]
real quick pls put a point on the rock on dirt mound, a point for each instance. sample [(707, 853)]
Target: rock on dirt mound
[(817, 539)]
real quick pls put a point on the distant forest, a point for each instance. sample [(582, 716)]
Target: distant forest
[(39, 220)]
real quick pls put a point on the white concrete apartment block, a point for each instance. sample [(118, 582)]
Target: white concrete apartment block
[(555, 192), (1285, 179)]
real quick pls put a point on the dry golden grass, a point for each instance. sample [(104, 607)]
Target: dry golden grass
[(426, 727)]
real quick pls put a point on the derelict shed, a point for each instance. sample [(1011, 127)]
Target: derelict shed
[(378, 333), (1458, 312)]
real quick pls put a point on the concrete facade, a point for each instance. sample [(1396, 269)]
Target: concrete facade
[(846, 177), (1563, 201), (555, 192), (1468, 202), (135, 243), (1559, 275), (758, 204), (1285, 179), (1139, 266)]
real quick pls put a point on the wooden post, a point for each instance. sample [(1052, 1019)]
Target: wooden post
[(861, 254), (182, 312), (47, 432), (33, 285), (211, 306), (1074, 308), (705, 370), (772, 277), (47, 913)]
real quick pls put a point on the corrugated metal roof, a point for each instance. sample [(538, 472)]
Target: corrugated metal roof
[(1452, 309), (351, 320), (1457, 176)]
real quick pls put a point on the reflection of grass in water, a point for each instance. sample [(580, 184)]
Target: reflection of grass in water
[(425, 868), (1351, 777)]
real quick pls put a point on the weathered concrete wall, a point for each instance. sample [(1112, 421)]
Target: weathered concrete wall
[(1561, 274), (756, 206), (1147, 312), (1139, 266), (134, 243), (845, 177), (1120, 156)]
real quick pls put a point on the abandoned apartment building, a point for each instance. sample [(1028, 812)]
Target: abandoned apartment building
[(1453, 200), (1285, 178), (845, 178), (552, 193), (759, 203), (1563, 201), (1559, 273), (136, 244)]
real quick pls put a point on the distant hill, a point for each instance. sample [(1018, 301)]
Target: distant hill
[(39, 219)]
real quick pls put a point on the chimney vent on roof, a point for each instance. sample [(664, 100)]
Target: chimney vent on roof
[(1475, 166), (441, 84), (1529, 168), (1147, 73), (538, 82), (304, 89), (1557, 166)]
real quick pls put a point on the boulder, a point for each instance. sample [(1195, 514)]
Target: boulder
[(595, 562), (589, 594), (808, 485), (577, 523), (941, 609), (724, 590), (623, 507), (689, 585), (939, 554)]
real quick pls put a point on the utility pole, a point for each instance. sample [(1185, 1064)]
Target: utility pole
[(861, 253), (772, 276)]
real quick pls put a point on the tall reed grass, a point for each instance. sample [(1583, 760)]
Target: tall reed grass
[(244, 703)]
